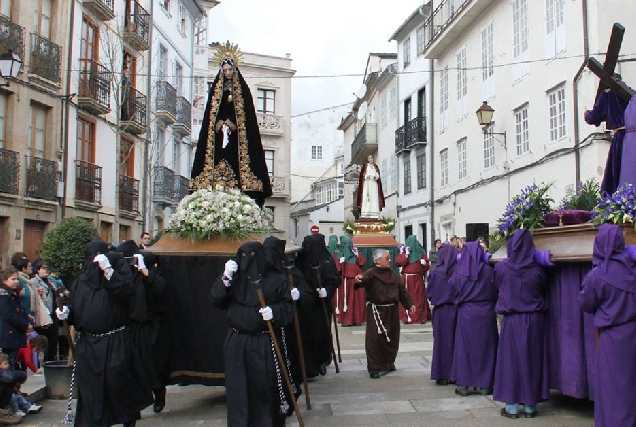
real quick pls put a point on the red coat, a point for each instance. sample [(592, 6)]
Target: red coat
[(361, 184)]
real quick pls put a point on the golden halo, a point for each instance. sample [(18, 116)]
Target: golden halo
[(228, 50)]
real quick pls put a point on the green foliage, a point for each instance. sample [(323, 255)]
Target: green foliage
[(587, 196), (349, 226), (495, 242), (64, 244), (389, 223)]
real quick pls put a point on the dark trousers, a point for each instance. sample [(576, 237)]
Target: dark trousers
[(50, 332)]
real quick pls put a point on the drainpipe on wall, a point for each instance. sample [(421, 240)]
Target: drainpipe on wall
[(67, 108), (575, 81), (431, 195), (146, 210)]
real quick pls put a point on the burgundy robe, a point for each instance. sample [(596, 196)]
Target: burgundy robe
[(610, 108), (361, 183), (476, 335), (609, 293), (413, 280), (521, 374), (351, 302), (382, 339), (442, 296)]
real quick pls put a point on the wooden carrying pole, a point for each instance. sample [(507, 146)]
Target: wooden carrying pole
[(281, 361), (324, 309), (299, 342), (343, 282)]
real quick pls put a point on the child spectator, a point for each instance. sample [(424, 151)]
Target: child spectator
[(14, 323), (8, 381), (37, 343)]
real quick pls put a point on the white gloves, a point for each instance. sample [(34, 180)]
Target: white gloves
[(295, 293), (63, 313), (423, 261), (354, 250), (342, 260), (231, 267), (322, 292), (102, 260), (408, 250), (266, 312), (140, 262)]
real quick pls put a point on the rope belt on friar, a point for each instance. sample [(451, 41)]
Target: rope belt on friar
[(378, 319), (68, 418)]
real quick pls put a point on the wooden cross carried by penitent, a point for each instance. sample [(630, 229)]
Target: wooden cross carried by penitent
[(605, 71)]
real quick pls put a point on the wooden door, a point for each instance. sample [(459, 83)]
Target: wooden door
[(33, 238), (106, 231)]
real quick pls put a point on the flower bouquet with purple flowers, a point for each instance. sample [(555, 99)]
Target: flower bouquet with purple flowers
[(525, 210), (618, 208)]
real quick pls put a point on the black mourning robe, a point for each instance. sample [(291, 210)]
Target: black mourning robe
[(315, 329), (241, 164), (251, 378), (384, 290), (107, 391)]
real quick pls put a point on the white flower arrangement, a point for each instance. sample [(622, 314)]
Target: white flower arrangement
[(207, 213)]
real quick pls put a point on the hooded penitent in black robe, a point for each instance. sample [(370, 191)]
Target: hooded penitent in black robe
[(99, 309), (241, 164), (142, 332), (314, 261), (254, 382)]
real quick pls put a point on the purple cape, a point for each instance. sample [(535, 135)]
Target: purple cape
[(628, 157)]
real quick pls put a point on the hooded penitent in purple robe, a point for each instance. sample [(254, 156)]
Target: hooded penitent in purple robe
[(476, 335), (442, 296), (609, 293), (610, 108), (628, 157), (521, 375)]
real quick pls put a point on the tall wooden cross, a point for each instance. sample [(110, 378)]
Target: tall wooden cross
[(605, 71)]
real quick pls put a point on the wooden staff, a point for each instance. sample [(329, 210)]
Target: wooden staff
[(299, 341), (60, 303), (335, 320), (281, 361), (324, 309)]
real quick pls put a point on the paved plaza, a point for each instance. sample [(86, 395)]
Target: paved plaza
[(403, 398)]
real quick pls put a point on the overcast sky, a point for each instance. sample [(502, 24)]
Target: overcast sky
[(324, 38)]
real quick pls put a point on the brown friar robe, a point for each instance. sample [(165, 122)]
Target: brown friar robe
[(384, 291)]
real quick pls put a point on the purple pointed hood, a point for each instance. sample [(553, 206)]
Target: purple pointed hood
[(446, 260), (613, 262), (471, 261), (520, 251)]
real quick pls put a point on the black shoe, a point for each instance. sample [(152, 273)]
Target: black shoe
[(374, 374), (160, 400), (507, 414), (441, 382), (323, 369), (392, 368), (485, 391), (130, 423), (462, 391), (532, 414)]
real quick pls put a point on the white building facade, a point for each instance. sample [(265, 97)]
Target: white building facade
[(527, 60)]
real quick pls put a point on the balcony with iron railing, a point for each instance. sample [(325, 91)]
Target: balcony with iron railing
[(133, 111), (94, 87), (12, 37), (180, 188), (163, 186), (102, 9), (270, 124), (46, 58), (137, 27), (365, 143), (166, 102), (41, 177), (184, 117), (9, 171), (448, 22), (410, 135), (128, 194), (88, 185)]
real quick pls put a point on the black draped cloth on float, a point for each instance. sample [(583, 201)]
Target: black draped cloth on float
[(194, 327), (314, 327), (107, 391), (255, 387), (241, 163)]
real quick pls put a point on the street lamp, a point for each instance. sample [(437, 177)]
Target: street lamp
[(10, 65), (484, 116)]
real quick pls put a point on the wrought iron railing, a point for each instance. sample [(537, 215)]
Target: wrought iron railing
[(94, 81), (410, 134), (103, 9), (11, 37), (138, 22), (166, 98), (41, 178), (441, 17), (133, 107), (180, 188), (46, 58), (88, 182), (184, 112), (367, 135), (163, 186), (128, 194), (9, 171)]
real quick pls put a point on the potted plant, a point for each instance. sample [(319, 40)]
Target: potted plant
[(618, 208)]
